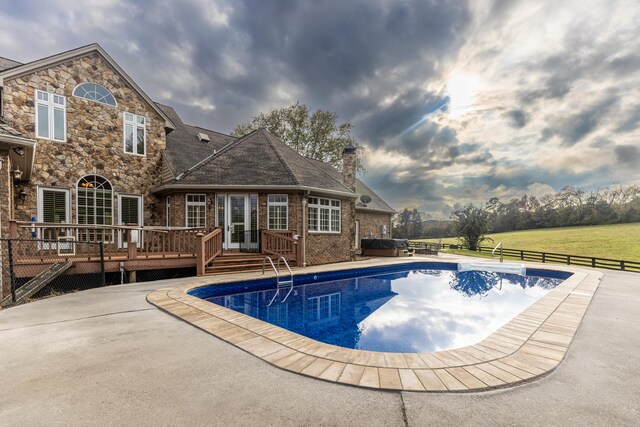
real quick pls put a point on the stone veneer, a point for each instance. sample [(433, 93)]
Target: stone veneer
[(6, 207), (371, 224), (7, 201), (94, 135)]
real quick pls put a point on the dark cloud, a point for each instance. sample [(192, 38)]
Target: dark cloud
[(518, 118), (575, 127), (630, 121), (378, 65), (628, 155)]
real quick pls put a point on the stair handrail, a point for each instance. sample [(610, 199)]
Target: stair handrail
[(276, 270), (290, 277), (499, 245), (273, 266)]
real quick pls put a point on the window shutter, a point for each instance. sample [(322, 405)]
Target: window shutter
[(54, 206), (129, 210)]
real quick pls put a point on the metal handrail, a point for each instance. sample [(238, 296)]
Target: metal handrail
[(290, 275), (499, 245), (276, 270)]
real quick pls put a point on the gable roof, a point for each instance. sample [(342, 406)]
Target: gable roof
[(6, 63), (376, 203), (59, 58), (184, 148), (259, 160)]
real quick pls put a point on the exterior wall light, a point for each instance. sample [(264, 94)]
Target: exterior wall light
[(22, 194), (17, 174)]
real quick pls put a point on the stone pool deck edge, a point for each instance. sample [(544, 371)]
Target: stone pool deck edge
[(529, 346)]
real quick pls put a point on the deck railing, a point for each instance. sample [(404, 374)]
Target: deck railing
[(118, 240), (282, 244), (208, 247)]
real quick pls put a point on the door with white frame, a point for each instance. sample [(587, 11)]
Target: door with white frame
[(130, 213), (237, 215)]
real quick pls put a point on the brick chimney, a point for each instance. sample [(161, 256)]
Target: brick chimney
[(349, 167)]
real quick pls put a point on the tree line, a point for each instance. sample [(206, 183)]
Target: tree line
[(568, 207)]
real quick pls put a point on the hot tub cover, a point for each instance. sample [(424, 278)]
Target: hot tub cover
[(384, 243)]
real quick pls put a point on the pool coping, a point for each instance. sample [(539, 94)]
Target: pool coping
[(529, 346)]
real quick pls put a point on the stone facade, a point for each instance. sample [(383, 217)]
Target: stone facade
[(7, 192), (94, 133), (371, 224)]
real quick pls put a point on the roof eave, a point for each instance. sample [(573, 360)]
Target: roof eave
[(29, 146), (385, 211), (200, 187)]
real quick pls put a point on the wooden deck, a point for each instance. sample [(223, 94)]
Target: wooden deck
[(93, 249)]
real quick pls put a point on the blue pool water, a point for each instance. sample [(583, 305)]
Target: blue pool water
[(415, 307)]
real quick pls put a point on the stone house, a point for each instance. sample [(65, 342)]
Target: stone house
[(81, 143)]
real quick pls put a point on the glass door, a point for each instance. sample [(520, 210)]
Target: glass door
[(237, 219)]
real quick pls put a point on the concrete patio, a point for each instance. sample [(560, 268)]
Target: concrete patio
[(108, 357)]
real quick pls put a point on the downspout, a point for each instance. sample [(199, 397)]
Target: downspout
[(305, 198)]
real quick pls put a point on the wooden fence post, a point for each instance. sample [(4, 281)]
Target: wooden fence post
[(132, 248), (200, 254)]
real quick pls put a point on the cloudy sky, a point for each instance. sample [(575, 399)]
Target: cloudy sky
[(455, 101)]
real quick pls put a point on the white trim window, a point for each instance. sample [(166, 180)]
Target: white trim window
[(94, 201), (135, 134), (277, 211), (196, 210), (95, 92), (54, 205), (324, 307), (51, 116), (324, 215)]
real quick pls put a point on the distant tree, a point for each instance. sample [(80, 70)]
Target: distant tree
[(408, 224), (316, 135), (471, 225)]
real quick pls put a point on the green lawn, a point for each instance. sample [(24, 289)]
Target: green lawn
[(619, 241)]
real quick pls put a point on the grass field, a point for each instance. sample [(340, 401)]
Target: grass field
[(619, 241)]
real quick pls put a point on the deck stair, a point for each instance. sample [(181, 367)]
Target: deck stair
[(37, 283), (234, 262)]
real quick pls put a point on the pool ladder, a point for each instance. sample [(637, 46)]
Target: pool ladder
[(279, 283)]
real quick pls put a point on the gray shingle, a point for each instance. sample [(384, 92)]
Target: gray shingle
[(5, 129), (184, 148), (260, 158), (6, 63)]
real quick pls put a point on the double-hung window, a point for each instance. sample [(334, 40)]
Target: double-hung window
[(323, 307), (277, 212), (51, 116), (324, 215), (135, 134), (196, 210)]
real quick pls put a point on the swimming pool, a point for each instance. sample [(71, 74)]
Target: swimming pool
[(417, 307)]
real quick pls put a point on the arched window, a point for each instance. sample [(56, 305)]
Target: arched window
[(94, 92), (95, 201)]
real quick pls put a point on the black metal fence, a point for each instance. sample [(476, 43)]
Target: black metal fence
[(544, 257), (34, 268)]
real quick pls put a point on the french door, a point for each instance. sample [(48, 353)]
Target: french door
[(237, 214)]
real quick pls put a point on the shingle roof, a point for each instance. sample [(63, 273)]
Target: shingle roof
[(6, 63), (260, 158), (5, 129), (184, 148), (376, 203)]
